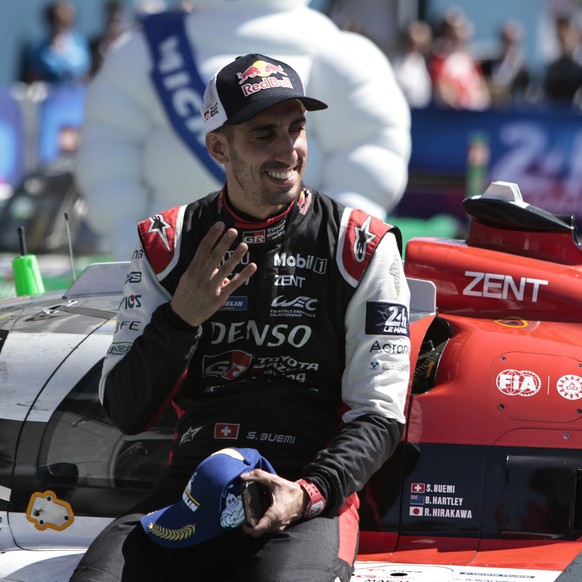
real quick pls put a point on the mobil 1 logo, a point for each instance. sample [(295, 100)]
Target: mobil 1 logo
[(383, 318)]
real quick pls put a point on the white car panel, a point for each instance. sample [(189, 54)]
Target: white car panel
[(27, 361), (87, 354)]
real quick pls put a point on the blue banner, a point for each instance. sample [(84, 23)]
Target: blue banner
[(60, 117), (540, 149), (11, 140)]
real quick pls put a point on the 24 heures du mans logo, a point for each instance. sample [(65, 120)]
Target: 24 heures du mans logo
[(383, 318)]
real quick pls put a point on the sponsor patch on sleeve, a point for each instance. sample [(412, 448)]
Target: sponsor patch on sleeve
[(383, 318), (119, 348), (360, 236), (160, 235)]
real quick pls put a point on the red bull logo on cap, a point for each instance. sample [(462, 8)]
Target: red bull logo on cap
[(265, 70), (259, 69)]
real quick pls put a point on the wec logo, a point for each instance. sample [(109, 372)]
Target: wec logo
[(301, 302)]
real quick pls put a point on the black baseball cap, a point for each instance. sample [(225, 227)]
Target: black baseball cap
[(249, 85)]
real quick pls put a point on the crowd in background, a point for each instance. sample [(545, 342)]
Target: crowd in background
[(65, 55), (433, 62)]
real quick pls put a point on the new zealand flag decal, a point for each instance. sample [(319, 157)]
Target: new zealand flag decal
[(383, 318)]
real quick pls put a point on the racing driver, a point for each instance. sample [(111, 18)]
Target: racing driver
[(274, 318)]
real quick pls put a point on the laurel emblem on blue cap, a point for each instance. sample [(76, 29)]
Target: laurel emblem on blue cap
[(172, 535)]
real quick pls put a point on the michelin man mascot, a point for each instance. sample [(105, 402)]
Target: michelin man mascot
[(142, 146)]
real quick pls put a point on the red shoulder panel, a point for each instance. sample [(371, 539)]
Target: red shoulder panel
[(363, 234), (159, 234)]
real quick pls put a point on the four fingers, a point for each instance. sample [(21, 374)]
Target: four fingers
[(214, 262)]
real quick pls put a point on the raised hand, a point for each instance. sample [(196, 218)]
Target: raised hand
[(205, 285)]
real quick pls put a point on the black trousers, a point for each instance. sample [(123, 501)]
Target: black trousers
[(318, 550)]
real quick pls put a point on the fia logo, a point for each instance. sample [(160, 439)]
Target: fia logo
[(518, 383)]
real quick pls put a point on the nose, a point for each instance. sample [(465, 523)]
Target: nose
[(285, 149)]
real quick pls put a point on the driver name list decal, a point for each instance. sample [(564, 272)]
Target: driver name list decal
[(437, 500)]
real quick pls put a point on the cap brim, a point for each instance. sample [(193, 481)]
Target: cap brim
[(172, 527), (260, 105)]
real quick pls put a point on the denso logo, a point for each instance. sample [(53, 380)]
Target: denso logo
[(497, 286), (301, 302), (300, 262), (268, 335)]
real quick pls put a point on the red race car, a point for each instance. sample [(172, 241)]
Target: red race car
[(486, 484)]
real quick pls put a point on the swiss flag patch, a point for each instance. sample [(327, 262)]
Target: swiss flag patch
[(226, 430)]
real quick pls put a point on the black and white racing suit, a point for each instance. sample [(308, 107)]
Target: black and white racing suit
[(308, 363), (319, 335)]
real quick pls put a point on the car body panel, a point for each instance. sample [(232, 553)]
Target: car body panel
[(485, 485)]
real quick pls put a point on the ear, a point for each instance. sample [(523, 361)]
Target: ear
[(217, 146)]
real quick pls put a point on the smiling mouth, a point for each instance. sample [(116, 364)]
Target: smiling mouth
[(287, 175)]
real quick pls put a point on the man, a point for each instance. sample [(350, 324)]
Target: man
[(273, 318), (63, 55), (142, 145)]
